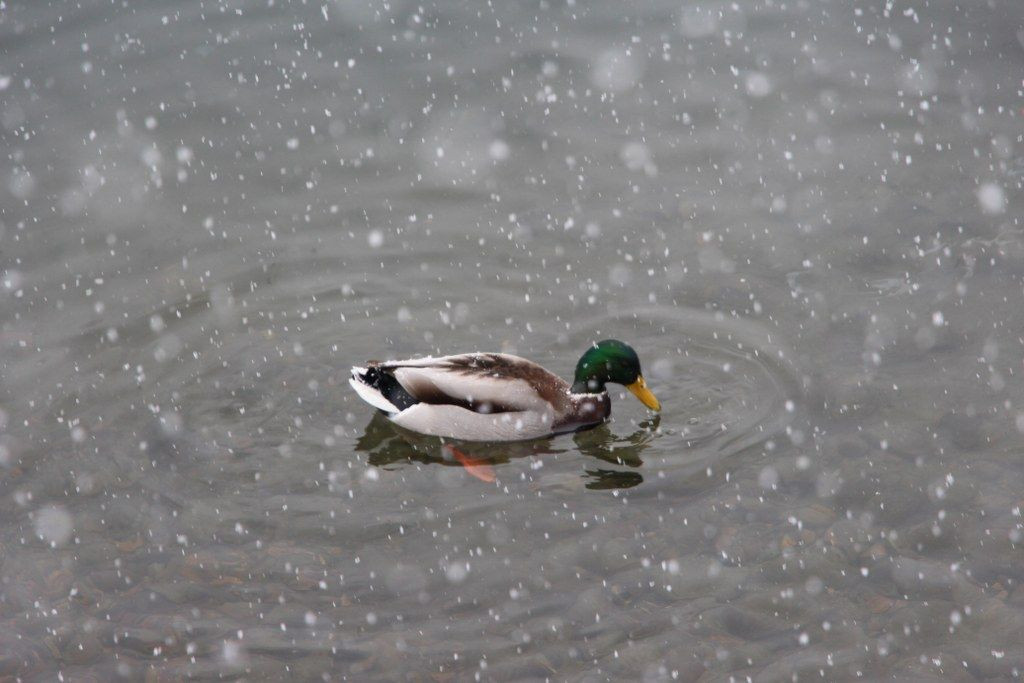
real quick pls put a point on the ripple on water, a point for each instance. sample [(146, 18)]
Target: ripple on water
[(724, 382)]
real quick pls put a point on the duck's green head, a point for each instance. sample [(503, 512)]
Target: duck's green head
[(612, 361)]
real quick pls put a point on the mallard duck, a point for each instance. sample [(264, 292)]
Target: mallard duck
[(498, 396)]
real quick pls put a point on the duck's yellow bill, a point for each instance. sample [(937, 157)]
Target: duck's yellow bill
[(640, 390)]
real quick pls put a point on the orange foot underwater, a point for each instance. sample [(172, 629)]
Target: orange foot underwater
[(476, 467)]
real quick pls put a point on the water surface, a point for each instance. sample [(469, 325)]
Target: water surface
[(804, 215)]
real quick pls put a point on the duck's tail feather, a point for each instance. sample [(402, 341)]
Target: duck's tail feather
[(381, 390)]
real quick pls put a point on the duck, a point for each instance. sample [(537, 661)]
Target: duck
[(498, 396)]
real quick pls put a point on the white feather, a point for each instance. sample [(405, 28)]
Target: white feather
[(504, 391), (371, 395), (530, 416), (418, 362), (454, 422)]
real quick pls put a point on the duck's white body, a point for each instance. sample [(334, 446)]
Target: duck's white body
[(477, 397)]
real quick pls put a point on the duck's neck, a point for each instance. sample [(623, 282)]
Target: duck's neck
[(592, 386), (586, 409)]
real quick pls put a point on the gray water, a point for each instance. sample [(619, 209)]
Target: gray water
[(804, 215)]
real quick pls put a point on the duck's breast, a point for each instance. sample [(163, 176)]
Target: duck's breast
[(585, 410), (455, 422)]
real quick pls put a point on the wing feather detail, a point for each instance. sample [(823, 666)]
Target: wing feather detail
[(482, 382), (484, 393)]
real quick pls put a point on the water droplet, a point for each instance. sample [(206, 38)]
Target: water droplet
[(768, 479), (456, 572), (758, 84), (616, 70), (696, 21), (233, 653), (498, 150), (992, 198), (54, 525)]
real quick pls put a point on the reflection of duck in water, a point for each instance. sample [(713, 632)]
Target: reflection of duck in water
[(499, 397), (387, 447)]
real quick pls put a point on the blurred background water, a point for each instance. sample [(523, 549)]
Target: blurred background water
[(804, 214)]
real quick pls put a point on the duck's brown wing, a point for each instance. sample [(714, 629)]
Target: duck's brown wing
[(483, 382)]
